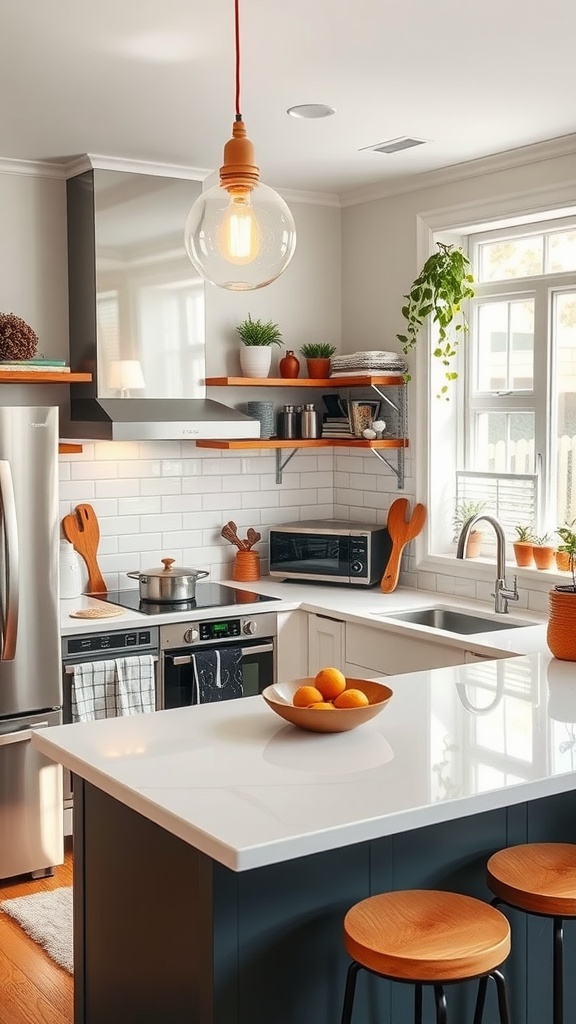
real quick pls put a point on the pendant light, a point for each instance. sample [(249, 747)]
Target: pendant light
[(240, 235)]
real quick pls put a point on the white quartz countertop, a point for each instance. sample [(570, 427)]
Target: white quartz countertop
[(369, 606), (246, 788)]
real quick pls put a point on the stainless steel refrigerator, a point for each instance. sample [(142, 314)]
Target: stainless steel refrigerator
[(31, 814)]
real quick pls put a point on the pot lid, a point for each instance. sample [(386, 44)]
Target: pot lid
[(173, 571)]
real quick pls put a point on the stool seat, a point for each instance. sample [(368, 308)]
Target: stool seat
[(426, 935), (536, 877)]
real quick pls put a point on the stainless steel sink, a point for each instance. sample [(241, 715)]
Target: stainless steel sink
[(454, 620)]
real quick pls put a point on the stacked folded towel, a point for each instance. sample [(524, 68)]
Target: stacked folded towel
[(362, 363)]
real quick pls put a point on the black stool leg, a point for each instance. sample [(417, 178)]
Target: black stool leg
[(350, 991), (417, 1003), (440, 1000), (502, 997), (558, 970), (480, 999)]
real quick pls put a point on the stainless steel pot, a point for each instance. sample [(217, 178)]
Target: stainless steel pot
[(164, 586)]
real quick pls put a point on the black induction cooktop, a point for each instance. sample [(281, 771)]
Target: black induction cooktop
[(208, 595)]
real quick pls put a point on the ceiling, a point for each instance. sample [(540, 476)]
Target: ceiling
[(153, 81)]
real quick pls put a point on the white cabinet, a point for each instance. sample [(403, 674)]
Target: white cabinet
[(385, 653), (292, 646), (325, 643)]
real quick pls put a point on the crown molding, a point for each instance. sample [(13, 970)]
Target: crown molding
[(537, 153), (32, 168)]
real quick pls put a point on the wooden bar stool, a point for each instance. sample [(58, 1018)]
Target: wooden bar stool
[(539, 878), (426, 937)]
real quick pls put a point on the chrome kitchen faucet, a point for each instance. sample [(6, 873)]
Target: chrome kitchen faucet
[(502, 594)]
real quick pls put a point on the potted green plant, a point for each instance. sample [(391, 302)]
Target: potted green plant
[(463, 512), (523, 546), (543, 551), (257, 337), (317, 356), (563, 556), (561, 633), (437, 294)]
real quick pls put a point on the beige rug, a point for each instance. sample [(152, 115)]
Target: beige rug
[(47, 918)]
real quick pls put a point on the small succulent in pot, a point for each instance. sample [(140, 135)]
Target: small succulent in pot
[(524, 534), (318, 350), (317, 356), (17, 339), (258, 332)]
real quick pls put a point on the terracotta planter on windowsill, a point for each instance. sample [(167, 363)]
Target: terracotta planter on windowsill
[(524, 553), (543, 556), (473, 544), (563, 561)]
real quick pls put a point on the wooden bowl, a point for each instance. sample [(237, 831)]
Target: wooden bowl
[(279, 698)]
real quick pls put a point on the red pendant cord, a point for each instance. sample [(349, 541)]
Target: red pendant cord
[(237, 48)]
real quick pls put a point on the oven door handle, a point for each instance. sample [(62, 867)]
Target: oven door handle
[(258, 649), (69, 669)]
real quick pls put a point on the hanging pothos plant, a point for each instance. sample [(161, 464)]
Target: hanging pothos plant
[(443, 284)]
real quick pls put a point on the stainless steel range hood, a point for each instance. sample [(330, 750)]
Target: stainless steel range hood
[(136, 310)]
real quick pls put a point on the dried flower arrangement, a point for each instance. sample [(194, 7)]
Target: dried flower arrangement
[(17, 339)]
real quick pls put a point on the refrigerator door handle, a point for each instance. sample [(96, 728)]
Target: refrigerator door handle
[(9, 522), (21, 735)]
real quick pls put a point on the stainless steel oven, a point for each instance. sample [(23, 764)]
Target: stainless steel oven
[(243, 645)]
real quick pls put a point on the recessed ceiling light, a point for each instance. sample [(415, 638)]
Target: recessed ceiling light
[(311, 110)]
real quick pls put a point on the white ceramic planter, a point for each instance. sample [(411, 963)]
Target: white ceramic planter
[(255, 360)]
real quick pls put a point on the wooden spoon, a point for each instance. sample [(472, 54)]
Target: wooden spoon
[(82, 530), (229, 532), (252, 538), (402, 530)]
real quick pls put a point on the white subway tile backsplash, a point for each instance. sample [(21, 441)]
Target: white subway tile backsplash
[(144, 470), (140, 506), (222, 467), (182, 538), (139, 542), (181, 503), (261, 499), (160, 485), (73, 492), (116, 488), (116, 451), (169, 521)]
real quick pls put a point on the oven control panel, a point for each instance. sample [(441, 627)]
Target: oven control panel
[(92, 643), (215, 631)]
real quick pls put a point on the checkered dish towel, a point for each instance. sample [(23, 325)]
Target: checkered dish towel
[(109, 689)]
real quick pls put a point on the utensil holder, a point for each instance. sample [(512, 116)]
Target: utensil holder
[(246, 566)]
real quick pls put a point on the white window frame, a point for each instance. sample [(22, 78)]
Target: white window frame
[(457, 223)]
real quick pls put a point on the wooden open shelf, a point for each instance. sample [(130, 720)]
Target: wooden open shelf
[(314, 442), (303, 382), (67, 448), (42, 377)]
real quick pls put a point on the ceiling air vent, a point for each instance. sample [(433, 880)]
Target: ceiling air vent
[(396, 145)]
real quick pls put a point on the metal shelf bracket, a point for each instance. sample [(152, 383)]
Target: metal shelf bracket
[(397, 470), (281, 466)]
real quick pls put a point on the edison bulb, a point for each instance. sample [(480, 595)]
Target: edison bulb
[(239, 238), (239, 231)]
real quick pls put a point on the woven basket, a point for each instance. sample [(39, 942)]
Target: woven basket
[(561, 633)]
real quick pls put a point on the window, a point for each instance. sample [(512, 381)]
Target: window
[(518, 411)]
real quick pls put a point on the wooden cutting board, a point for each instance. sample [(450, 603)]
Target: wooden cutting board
[(82, 530), (402, 528)]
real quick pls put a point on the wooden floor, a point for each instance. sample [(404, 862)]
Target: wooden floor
[(33, 989)]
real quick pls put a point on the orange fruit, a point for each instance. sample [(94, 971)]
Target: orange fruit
[(351, 699), (323, 704), (330, 682), (305, 696)]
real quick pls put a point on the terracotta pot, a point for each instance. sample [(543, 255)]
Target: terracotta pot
[(561, 633), (319, 369), (563, 561), (474, 544), (543, 556), (289, 366), (523, 552), (246, 566)]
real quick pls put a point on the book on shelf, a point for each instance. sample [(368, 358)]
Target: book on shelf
[(44, 365)]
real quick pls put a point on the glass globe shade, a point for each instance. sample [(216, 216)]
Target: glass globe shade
[(240, 238)]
